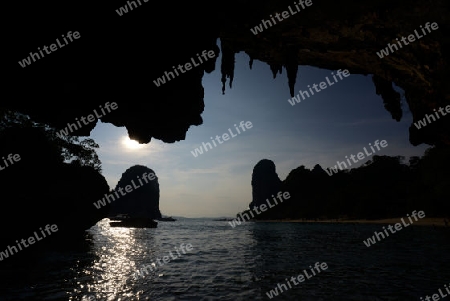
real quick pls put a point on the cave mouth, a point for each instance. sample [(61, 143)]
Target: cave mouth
[(322, 129), (203, 131), (191, 109)]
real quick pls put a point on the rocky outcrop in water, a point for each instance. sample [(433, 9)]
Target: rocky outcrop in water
[(383, 187), (118, 58), (265, 182), (137, 194)]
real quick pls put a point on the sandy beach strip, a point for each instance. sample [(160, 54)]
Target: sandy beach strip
[(426, 221)]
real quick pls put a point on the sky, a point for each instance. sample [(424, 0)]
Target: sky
[(324, 128)]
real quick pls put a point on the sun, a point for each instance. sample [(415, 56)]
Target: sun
[(131, 144)]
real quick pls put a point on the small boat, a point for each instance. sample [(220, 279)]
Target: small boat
[(119, 217), (135, 222)]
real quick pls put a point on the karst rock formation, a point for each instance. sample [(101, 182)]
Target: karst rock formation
[(117, 58), (265, 182), (142, 200)]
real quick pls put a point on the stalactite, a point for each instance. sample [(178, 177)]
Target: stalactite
[(291, 71), (227, 64), (391, 98), (276, 68), (291, 68)]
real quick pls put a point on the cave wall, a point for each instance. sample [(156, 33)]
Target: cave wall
[(118, 57)]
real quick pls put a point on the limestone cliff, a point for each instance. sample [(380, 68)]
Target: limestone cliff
[(141, 198), (118, 57), (265, 182)]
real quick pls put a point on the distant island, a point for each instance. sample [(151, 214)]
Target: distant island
[(382, 188), (142, 199), (137, 205)]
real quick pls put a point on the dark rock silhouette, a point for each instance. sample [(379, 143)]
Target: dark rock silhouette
[(124, 54), (41, 189), (384, 187), (143, 200), (117, 58), (265, 182)]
